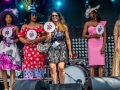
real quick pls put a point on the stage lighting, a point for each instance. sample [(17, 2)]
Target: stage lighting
[(87, 2), (21, 6), (58, 3), (36, 5), (90, 2), (111, 1), (7, 0)]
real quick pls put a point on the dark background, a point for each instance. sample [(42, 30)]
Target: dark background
[(73, 12)]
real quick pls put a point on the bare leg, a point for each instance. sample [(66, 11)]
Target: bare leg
[(12, 78), (53, 73), (0, 74), (100, 71), (91, 71), (4, 75), (61, 66)]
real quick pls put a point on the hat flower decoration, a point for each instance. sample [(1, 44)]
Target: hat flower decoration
[(89, 10)]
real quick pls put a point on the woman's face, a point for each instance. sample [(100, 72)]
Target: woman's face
[(91, 15), (33, 17), (55, 17), (8, 19)]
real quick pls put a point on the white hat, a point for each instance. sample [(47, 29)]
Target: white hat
[(89, 10)]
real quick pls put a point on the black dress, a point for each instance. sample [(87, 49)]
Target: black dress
[(59, 53)]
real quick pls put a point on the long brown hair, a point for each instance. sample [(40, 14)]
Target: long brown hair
[(61, 24)]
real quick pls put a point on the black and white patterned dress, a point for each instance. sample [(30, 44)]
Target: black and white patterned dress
[(59, 53)]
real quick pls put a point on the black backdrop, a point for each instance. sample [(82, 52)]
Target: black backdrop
[(73, 12)]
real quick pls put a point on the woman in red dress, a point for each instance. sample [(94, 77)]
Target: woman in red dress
[(31, 34)]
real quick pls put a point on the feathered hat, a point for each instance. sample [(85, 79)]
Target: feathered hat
[(89, 10), (12, 12), (32, 9)]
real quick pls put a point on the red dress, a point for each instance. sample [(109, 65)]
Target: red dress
[(33, 59)]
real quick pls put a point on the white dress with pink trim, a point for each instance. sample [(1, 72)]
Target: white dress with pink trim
[(9, 55)]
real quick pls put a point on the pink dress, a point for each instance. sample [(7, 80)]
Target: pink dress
[(94, 46)]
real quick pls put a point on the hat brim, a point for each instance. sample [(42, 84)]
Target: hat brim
[(14, 18), (87, 13), (38, 15)]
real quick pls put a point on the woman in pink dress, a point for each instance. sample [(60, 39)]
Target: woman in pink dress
[(96, 43)]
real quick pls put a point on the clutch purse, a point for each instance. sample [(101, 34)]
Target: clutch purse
[(43, 47)]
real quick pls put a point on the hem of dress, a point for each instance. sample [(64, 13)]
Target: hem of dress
[(55, 62), (97, 65), (33, 78), (11, 69)]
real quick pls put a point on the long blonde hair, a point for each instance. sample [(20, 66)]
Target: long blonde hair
[(61, 24)]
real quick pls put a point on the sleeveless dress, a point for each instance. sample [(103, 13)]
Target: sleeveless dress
[(33, 59), (59, 53), (94, 46), (9, 56)]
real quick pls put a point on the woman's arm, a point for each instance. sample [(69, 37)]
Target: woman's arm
[(40, 39), (116, 34), (104, 37), (16, 31), (21, 38), (68, 41), (84, 34), (115, 40), (104, 41), (0, 32), (48, 37)]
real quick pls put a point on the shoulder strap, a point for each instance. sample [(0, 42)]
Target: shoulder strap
[(103, 22)]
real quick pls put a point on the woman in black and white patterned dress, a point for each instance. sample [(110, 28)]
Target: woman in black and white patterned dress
[(57, 53)]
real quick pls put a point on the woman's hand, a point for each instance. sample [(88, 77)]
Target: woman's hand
[(115, 49), (70, 55), (96, 36), (102, 50), (33, 41), (0, 32), (48, 38), (28, 41)]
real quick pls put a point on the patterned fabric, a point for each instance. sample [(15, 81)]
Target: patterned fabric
[(59, 53), (10, 38), (9, 56), (116, 56), (33, 59)]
